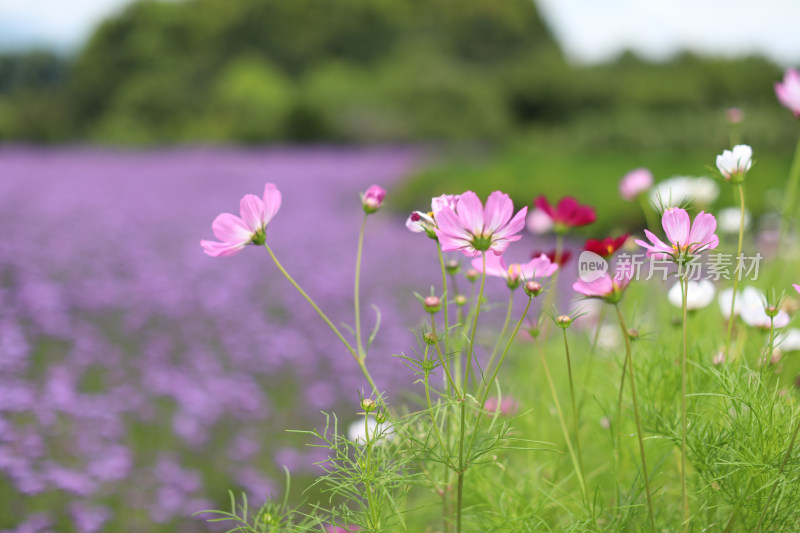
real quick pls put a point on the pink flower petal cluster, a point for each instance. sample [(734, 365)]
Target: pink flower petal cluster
[(472, 229), (419, 221), (788, 92), (635, 183), (685, 239), (606, 287), (234, 233), (515, 273)]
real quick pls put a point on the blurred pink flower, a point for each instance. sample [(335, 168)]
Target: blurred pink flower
[(796, 287), (686, 239), (373, 198), (538, 267), (539, 222), (788, 92), (635, 183), (472, 229), (508, 405), (605, 287), (734, 115), (235, 233), (342, 529)]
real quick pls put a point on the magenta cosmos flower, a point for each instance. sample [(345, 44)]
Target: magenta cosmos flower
[(567, 214), (372, 199), (635, 183), (788, 92), (515, 273), (472, 229), (605, 287), (235, 232), (685, 239)]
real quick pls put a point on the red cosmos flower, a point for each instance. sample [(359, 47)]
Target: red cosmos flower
[(605, 248), (567, 214), (551, 255)]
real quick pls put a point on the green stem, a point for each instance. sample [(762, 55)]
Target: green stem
[(489, 383), (502, 334), (327, 320), (430, 405), (463, 399), (791, 194), (554, 279), (648, 212), (736, 277), (357, 305), (442, 359), (777, 478), (629, 357), (684, 494), (563, 423), (445, 297), (574, 405)]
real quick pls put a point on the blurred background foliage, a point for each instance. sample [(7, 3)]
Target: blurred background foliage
[(483, 82), (364, 71)]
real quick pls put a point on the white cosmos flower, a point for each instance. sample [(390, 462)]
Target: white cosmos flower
[(789, 341), (699, 294), (749, 305), (728, 219), (357, 432), (734, 164), (681, 189)]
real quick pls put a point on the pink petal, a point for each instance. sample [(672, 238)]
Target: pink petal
[(566, 209), (448, 223), (600, 287), (470, 212), (231, 229), (676, 225), (515, 225), (703, 229), (542, 203), (495, 265), (498, 211), (538, 267), (272, 202), (251, 207), (499, 246), (796, 287), (220, 249)]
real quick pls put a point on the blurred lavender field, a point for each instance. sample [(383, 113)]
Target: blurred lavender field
[(140, 378)]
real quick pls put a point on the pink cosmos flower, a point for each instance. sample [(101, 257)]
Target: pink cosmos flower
[(686, 239), (538, 267), (472, 229), (568, 213), (796, 287), (372, 199), (635, 183), (251, 228), (508, 405), (605, 287), (419, 222), (788, 92)]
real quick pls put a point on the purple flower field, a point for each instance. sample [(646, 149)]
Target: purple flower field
[(140, 378)]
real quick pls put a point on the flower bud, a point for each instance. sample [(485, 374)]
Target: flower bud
[(633, 334), (381, 416), (452, 266), (533, 288), (368, 405), (771, 310), (432, 304), (472, 274), (429, 337), (460, 300), (563, 321), (372, 199)]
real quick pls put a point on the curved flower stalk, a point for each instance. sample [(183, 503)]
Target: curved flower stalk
[(472, 229), (235, 232), (686, 240), (611, 289)]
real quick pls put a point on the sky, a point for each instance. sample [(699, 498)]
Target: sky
[(589, 31)]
